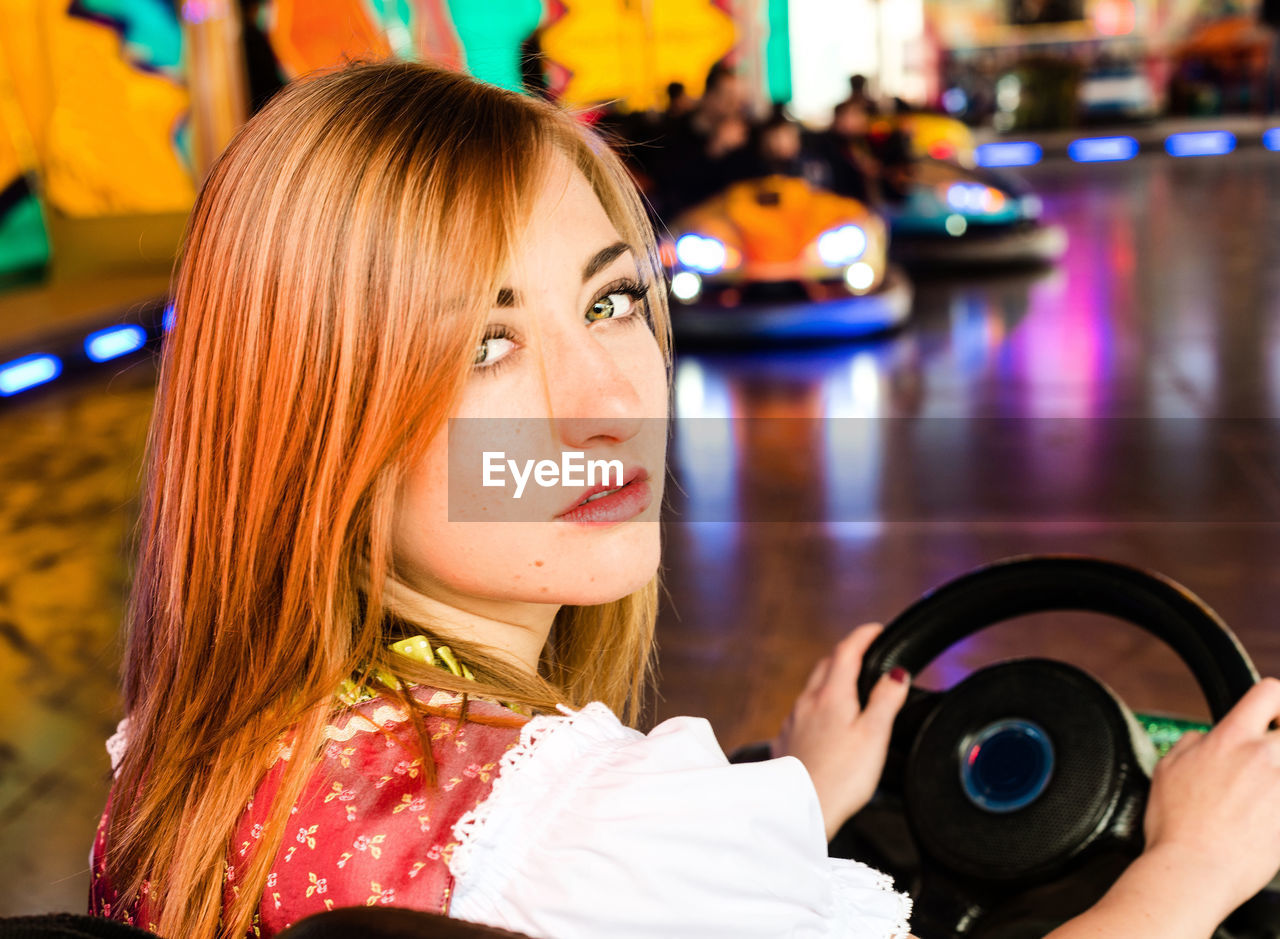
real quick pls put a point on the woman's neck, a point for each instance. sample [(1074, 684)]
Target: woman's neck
[(515, 631)]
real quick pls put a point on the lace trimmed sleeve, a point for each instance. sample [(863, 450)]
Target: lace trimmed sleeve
[(117, 743), (593, 828)]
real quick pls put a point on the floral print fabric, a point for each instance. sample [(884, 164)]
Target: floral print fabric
[(367, 829)]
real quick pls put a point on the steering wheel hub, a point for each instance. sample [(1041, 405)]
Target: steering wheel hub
[(1006, 765), (1020, 769)]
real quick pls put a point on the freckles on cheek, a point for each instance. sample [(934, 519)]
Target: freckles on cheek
[(510, 560), (649, 377)]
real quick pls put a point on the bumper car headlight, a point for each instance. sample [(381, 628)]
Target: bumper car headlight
[(842, 245), (974, 199), (859, 277), (701, 253), (686, 286)]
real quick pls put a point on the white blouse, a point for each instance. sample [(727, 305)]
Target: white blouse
[(595, 829)]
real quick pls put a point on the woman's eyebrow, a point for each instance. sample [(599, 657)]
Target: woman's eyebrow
[(507, 297), (602, 258)]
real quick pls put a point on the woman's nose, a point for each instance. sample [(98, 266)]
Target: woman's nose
[(593, 399)]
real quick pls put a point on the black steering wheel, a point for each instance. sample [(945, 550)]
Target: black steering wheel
[(1032, 773)]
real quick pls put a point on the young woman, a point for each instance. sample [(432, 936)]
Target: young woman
[(342, 689)]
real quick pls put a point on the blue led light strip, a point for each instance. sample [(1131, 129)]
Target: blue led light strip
[(68, 354), (1200, 143), (113, 342), (28, 372), (1102, 149), (1009, 153)]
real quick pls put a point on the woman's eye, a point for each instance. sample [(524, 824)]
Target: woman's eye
[(491, 350), (612, 306)]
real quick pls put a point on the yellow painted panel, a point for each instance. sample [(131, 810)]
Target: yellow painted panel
[(102, 130), (620, 50), (110, 140)]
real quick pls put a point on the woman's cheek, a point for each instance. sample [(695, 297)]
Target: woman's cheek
[(648, 373)]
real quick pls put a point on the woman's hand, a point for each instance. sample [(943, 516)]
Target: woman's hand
[(1215, 799), (842, 745), (1212, 829)]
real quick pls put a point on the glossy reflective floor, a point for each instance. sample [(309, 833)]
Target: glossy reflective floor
[(1124, 405)]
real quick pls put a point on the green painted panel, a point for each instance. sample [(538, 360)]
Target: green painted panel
[(777, 51), (23, 241), (151, 31), (491, 32)]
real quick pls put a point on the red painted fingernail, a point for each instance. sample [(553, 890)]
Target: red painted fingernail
[(899, 674)]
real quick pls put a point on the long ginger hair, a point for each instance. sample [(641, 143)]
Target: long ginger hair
[(333, 284)]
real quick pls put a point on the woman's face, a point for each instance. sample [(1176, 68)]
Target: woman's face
[(570, 373)]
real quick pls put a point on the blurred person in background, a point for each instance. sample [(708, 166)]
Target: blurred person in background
[(783, 147), (702, 143), (854, 169), (679, 103), (866, 162), (778, 145), (644, 136), (859, 95)]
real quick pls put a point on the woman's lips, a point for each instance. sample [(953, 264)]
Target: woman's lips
[(618, 506)]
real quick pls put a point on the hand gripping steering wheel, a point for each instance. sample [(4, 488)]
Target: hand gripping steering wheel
[(1027, 771)]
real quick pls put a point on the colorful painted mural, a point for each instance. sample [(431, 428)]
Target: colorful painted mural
[(93, 116), (483, 37), (590, 51), (95, 102)]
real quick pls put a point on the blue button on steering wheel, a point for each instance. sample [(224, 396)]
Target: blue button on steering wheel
[(1006, 765)]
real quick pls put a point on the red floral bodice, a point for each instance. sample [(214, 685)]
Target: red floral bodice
[(367, 829)]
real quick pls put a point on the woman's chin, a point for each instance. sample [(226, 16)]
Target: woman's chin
[(540, 565), (608, 574), (607, 593)]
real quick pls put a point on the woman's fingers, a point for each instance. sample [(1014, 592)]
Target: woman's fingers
[(842, 748), (884, 703), (1184, 743), (817, 677), (1253, 714), (846, 660), (1215, 800)]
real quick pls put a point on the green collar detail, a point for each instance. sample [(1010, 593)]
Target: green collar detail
[(419, 649)]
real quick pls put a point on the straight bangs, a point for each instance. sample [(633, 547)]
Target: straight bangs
[(335, 278)]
